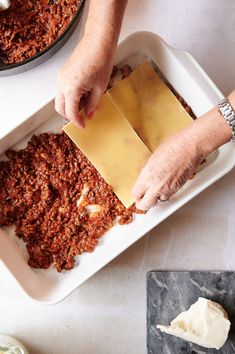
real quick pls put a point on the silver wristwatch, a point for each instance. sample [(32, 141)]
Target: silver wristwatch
[(226, 110)]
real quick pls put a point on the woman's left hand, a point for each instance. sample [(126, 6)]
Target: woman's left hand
[(169, 167)]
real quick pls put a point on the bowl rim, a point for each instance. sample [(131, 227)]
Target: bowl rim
[(47, 49)]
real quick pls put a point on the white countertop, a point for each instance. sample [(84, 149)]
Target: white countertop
[(106, 315)]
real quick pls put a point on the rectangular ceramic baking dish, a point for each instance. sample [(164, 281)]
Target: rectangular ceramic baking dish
[(192, 83)]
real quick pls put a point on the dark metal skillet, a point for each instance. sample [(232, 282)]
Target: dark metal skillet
[(47, 53)]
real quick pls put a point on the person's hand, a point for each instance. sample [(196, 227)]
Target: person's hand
[(178, 157), (83, 79), (169, 167)]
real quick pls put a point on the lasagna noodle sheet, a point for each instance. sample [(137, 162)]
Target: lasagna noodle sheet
[(112, 146), (149, 105)]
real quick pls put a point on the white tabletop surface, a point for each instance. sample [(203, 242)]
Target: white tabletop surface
[(106, 315)]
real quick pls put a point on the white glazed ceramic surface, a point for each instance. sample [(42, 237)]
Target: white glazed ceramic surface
[(187, 77)]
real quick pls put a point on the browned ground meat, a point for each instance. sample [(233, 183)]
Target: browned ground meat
[(40, 186), (29, 26)]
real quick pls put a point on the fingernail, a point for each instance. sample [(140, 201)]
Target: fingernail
[(81, 123), (90, 115)]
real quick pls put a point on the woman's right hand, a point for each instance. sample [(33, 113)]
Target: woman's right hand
[(84, 76)]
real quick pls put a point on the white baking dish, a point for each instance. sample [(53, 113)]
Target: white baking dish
[(192, 83)]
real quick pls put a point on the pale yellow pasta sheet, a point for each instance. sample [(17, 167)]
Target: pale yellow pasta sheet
[(113, 147), (149, 105)]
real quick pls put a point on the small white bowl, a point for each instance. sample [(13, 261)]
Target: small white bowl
[(10, 345)]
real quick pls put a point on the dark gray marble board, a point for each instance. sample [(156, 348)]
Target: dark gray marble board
[(169, 293)]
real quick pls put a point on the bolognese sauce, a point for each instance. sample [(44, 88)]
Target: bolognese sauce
[(30, 26), (57, 200)]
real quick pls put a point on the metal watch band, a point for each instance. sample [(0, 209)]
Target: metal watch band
[(226, 110)]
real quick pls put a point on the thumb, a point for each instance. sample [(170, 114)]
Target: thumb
[(93, 101)]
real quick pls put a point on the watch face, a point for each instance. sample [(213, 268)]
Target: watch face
[(9, 345)]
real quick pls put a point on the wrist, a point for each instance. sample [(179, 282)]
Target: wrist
[(95, 43), (100, 39), (210, 131), (96, 51)]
